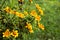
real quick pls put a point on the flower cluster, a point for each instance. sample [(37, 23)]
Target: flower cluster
[(34, 14), (18, 24), (7, 33), (8, 10), (38, 18), (23, 15), (39, 9)]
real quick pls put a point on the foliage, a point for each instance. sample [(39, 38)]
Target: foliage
[(20, 19)]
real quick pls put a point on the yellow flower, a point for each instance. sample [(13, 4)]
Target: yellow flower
[(20, 15), (41, 11), (11, 12), (38, 18), (14, 12), (25, 13), (31, 31), (14, 33), (17, 13), (7, 9), (37, 6), (6, 33), (29, 26), (41, 26), (33, 13)]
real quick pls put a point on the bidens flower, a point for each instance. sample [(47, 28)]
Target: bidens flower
[(41, 26), (14, 33), (37, 6), (6, 33), (31, 31), (20, 15), (29, 26), (7, 9), (38, 18), (33, 13), (39, 9)]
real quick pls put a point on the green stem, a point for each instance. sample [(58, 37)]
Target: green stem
[(14, 39)]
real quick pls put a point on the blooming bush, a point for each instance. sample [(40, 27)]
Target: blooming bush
[(23, 20)]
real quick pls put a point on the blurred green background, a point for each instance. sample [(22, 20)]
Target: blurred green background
[(51, 18)]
